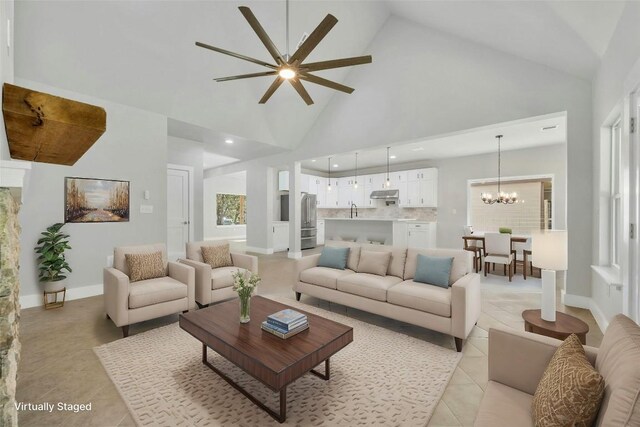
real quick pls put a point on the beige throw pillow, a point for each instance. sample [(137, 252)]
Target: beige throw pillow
[(374, 262), (570, 391), (143, 266), (217, 256)]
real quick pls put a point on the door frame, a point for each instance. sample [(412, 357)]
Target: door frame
[(190, 173)]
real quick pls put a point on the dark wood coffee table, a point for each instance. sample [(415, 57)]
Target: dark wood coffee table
[(564, 325), (273, 361)]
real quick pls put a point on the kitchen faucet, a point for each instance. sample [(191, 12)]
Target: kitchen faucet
[(353, 205)]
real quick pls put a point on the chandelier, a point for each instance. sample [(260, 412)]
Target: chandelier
[(502, 197)]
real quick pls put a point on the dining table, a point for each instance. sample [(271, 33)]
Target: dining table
[(479, 238)]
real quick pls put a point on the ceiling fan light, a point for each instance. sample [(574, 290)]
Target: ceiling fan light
[(286, 73)]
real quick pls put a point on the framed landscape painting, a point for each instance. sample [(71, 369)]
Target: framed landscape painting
[(96, 200)]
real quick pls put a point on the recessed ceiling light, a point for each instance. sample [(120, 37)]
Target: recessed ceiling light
[(550, 127), (228, 141), (335, 166), (392, 157), (313, 160), (417, 149)]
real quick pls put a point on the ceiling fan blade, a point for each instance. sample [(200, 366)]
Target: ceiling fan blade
[(316, 37), (262, 34), (237, 55), (297, 85), (246, 76), (324, 82), (274, 86), (336, 63)]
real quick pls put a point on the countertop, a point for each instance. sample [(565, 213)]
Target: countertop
[(371, 219)]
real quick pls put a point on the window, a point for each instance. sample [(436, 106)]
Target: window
[(616, 197), (231, 209)]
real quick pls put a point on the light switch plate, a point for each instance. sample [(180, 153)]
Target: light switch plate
[(146, 209)]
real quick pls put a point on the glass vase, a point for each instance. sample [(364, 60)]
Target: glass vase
[(244, 309)]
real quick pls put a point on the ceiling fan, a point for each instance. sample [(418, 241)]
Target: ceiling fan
[(292, 67)]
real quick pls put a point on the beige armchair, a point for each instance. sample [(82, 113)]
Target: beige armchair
[(214, 285), (127, 303), (517, 361)]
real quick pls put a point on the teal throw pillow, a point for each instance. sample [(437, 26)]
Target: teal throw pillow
[(334, 257), (433, 270)]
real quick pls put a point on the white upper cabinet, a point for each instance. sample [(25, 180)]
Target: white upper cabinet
[(332, 194), (417, 188), (305, 183), (422, 188), (283, 181), (344, 192)]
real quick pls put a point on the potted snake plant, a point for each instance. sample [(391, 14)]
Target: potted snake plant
[(53, 266)]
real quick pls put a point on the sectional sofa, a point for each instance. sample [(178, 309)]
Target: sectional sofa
[(453, 310)]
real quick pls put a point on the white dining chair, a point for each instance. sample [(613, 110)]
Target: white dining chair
[(497, 248)]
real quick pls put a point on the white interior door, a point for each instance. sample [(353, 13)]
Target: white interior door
[(177, 212)]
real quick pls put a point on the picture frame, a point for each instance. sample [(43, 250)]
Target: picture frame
[(95, 200)]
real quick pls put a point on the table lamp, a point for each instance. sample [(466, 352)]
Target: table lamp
[(549, 253)]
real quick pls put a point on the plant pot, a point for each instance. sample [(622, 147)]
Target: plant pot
[(54, 286)]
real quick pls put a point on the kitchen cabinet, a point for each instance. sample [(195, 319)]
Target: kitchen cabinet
[(321, 191), (280, 236), (422, 188), (358, 196), (332, 194), (283, 181), (417, 188), (344, 192), (421, 235), (305, 183), (320, 232)]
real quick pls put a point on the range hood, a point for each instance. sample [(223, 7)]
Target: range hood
[(385, 194)]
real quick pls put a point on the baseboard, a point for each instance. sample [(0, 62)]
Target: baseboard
[(36, 300), (601, 319), (265, 251), (589, 303), (579, 301)]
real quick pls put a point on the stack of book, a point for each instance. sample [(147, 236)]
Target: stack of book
[(285, 323)]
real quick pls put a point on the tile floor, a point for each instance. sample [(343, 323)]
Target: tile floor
[(58, 363)]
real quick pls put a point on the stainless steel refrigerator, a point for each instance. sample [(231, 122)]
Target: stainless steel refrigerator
[(308, 219)]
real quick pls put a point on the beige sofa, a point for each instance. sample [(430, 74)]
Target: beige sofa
[(127, 303), (454, 310), (214, 285), (517, 361)]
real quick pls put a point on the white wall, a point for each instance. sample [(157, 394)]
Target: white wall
[(227, 184), (133, 148), (190, 153), (6, 63), (608, 92)]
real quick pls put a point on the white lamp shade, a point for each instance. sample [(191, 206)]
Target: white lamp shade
[(549, 250)]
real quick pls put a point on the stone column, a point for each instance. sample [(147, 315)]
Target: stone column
[(9, 306)]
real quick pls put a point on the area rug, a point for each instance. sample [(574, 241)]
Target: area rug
[(381, 378)]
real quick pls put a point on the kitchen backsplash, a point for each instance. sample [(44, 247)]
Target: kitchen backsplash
[(391, 212)]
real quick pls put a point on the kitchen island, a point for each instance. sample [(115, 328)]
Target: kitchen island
[(386, 231)]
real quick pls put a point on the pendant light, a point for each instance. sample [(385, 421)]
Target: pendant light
[(355, 180), (329, 170), (502, 197), (388, 183)]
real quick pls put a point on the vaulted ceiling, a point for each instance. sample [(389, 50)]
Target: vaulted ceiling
[(142, 53)]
